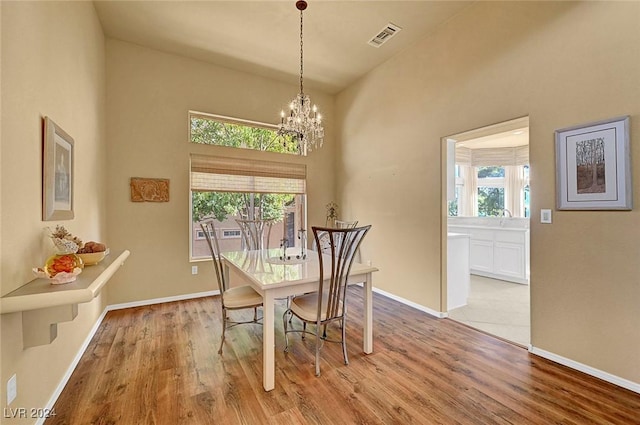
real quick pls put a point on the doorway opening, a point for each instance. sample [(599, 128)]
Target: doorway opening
[(486, 223)]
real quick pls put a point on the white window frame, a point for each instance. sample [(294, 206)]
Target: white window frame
[(200, 235), (491, 182), (237, 233), (496, 182)]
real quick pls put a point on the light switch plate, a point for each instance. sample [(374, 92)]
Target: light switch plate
[(545, 216)]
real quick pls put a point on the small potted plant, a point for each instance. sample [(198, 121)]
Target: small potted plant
[(332, 214)]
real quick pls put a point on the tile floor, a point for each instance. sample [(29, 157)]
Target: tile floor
[(497, 307)]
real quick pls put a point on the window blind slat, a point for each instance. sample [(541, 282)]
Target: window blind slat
[(208, 182), (463, 156), (522, 155), (492, 156), (247, 167), (219, 174)]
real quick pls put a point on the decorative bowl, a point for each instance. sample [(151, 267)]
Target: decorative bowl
[(62, 277), (92, 258), (65, 246), (61, 268)]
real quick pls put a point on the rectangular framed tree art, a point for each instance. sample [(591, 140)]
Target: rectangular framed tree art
[(593, 166)]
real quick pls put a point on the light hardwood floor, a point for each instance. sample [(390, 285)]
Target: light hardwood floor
[(159, 365)]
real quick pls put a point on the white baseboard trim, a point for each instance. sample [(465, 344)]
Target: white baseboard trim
[(162, 300), (96, 326), (616, 380), (438, 314)]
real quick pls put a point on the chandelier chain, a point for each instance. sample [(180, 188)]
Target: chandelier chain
[(301, 54)]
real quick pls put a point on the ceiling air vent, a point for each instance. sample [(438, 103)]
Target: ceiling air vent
[(384, 35)]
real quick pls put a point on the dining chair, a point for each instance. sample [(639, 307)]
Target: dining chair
[(323, 242), (341, 224), (328, 304), (253, 233), (236, 298), (256, 235)]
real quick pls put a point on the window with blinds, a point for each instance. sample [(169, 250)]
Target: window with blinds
[(231, 189)]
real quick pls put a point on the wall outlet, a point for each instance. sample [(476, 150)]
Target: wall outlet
[(194, 269), (12, 389), (545, 216)]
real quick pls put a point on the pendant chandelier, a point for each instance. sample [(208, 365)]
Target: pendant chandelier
[(303, 121)]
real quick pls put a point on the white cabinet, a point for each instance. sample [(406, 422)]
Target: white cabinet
[(481, 255), (500, 253), (457, 270), (508, 260)]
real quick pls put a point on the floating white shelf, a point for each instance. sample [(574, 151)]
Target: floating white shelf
[(43, 305)]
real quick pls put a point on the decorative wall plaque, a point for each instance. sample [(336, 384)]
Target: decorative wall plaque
[(149, 190)]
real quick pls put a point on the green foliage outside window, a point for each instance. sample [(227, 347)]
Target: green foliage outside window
[(490, 201), (453, 208), (222, 205), (484, 172), (211, 132)]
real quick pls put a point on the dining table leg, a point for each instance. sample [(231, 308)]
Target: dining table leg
[(368, 315), (268, 341)]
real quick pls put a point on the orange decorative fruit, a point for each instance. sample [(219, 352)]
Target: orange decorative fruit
[(62, 263)]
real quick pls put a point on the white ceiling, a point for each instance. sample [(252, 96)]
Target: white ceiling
[(510, 133), (263, 37), (505, 139)]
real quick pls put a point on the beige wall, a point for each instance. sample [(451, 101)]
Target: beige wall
[(559, 63), (53, 64), (149, 96)]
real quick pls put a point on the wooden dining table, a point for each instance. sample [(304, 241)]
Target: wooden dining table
[(274, 278)]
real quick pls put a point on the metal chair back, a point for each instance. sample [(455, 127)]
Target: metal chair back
[(322, 244), (342, 247), (209, 229), (341, 224)]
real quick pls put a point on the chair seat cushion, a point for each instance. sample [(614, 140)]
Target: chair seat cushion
[(306, 306), (241, 296)]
